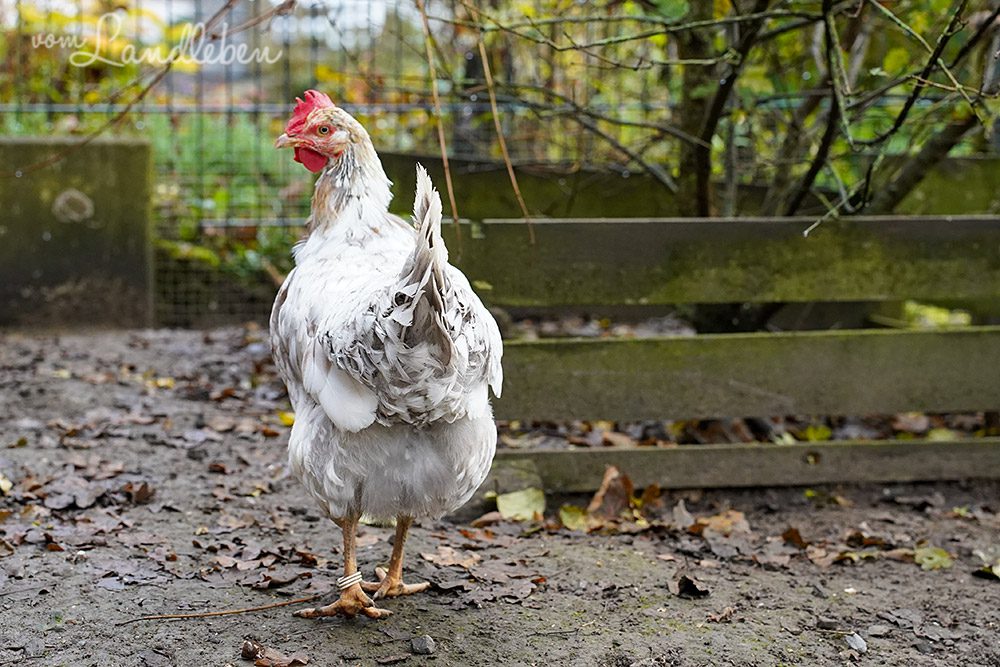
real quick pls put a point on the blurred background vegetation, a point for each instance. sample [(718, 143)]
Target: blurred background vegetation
[(724, 107)]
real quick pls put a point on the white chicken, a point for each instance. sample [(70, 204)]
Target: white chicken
[(386, 351)]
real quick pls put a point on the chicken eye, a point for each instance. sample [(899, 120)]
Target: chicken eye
[(324, 129)]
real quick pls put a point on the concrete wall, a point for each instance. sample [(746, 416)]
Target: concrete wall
[(75, 237)]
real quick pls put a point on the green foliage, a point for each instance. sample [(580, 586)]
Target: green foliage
[(618, 66), (673, 10)]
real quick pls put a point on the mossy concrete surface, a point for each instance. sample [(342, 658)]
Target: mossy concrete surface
[(75, 235)]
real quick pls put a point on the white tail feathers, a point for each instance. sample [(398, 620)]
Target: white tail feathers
[(427, 217)]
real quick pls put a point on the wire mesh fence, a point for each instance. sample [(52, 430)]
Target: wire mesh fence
[(224, 199), (577, 85)]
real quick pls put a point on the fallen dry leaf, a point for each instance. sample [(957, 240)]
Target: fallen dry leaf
[(686, 586), (447, 556), (488, 519), (794, 538), (725, 524), (932, 558), (264, 656), (613, 497), (574, 518), (6, 548), (723, 616), (523, 505)]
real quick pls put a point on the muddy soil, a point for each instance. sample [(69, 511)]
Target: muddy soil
[(143, 473)]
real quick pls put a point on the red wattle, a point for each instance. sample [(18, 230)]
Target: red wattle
[(310, 159)]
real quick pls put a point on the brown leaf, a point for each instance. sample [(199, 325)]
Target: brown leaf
[(6, 548), (278, 577), (820, 556), (859, 539), (793, 537), (264, 656), (140, 493), (613, 497), (725, 524), (723, 616), (447, 556), (488, 519), (686, 586), (226, 561), (220, 423)]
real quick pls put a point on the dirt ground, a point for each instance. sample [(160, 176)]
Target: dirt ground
[(143, 473)]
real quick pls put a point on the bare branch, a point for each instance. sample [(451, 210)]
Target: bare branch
[(488, 73), (432, 71)]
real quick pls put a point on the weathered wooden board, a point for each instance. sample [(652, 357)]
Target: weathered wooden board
[(76, 237), (701, 466), (604, 261), (736, 375)]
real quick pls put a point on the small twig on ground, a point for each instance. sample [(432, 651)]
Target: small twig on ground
[(24, 589), (546, 633), (224, 612)]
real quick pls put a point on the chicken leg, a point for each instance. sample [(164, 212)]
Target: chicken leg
[(353, 600), (390, 583)]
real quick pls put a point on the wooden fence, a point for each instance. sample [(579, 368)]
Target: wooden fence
[(595, 263)]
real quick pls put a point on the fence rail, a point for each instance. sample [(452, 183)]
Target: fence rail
[(671, 261), (853, 372), (742, 375), (803, 464)]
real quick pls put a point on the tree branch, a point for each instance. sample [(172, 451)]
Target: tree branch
[(702, 153), (932, 64)]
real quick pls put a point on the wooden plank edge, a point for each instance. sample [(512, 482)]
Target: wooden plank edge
[(749, 465)]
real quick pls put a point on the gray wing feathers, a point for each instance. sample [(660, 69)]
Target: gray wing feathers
[(426, 346)]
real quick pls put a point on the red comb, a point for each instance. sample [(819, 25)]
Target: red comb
[(313, 100)]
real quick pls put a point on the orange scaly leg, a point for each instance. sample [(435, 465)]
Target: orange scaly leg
[(391, 581), (353, 600)]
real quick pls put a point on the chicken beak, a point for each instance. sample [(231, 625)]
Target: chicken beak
[(284, 141)]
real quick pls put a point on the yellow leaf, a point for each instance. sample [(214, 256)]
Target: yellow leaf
[(573, 517), (523, 505), (286, 418), (932, 558)]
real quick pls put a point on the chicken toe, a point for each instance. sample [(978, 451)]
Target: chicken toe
[(352, 602), (389, 586)]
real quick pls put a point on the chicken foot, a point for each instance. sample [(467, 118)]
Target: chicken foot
[(353, 600), (390, 583)]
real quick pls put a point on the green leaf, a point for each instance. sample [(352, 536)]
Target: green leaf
[(896, 60), (521, 505), (932, 558), (672, 10)]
